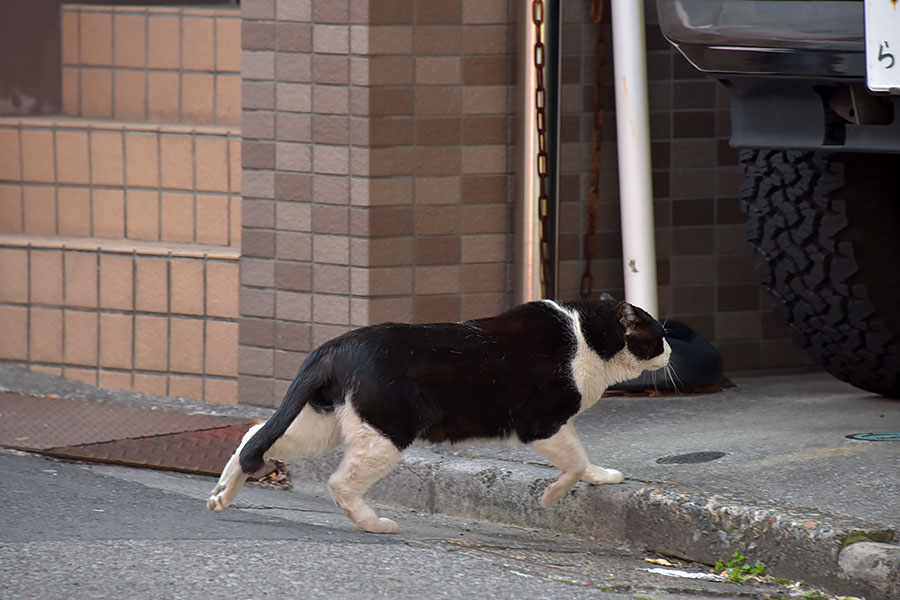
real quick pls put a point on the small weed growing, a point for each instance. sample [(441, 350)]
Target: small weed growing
[(737, 570)]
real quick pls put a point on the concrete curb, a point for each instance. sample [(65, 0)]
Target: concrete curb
[(872, 565), (840, 554)]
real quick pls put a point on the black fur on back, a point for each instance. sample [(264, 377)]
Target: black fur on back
[(498, 377)]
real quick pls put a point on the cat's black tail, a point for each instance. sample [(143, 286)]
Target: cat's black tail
[(306, 384)]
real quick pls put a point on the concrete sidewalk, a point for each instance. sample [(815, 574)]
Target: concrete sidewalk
[(788, 487)]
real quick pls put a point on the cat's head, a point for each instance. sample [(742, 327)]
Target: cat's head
[(645, 338), (626, 337)]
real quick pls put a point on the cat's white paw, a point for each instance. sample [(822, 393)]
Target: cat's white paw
[(598, 475), (381, 525), (217, 501)]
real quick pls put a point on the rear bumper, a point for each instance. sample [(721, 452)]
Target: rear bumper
[(819, 39)]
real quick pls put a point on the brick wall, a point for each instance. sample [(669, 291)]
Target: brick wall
[(377, 181), (705, 270), (154, 63), (119, 237), (376, 152)]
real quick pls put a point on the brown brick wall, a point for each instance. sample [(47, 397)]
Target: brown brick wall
[(159, 322), (705, 270), (157, 63), (377, 181), (376, 152), (120, 239)]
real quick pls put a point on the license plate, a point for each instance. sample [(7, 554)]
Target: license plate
[(883, 45)]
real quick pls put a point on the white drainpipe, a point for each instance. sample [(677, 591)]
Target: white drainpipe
[(633, 146)]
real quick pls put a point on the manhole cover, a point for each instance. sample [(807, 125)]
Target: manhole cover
[(887, 436), (692, 458)]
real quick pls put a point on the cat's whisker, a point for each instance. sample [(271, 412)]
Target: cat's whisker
[(674, 378), (651, 375), (669, 380), (653, 379)]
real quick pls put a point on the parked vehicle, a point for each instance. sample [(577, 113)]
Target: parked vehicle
[(821, 161)]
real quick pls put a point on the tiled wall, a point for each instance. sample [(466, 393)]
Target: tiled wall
[(376, 152), (120, 236), (705, 270), (171, 183), (154, 63), (377, 180), (129, 318), (377, 186)]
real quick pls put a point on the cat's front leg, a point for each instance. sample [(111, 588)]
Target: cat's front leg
[(565, 451), (595, 475), (598, 475)]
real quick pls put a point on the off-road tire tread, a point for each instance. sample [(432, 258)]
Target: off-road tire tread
[(832, 269)]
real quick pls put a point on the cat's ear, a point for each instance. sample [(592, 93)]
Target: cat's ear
[(628, 317)]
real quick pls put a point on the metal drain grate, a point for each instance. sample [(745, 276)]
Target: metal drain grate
[(38, 423), (118, 434), (203, 452)]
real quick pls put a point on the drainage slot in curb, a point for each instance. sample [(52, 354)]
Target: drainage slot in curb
[(886, 436), (691, 458)]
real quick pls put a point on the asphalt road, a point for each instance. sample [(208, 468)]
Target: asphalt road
[(76, 531)]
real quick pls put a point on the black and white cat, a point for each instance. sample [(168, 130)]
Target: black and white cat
[(523, 375)]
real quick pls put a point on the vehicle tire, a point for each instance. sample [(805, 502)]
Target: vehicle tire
[(826, 232)]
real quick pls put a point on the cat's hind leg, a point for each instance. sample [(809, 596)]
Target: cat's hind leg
[(232, 478), (368, 456), (565, 451), (310, 433)]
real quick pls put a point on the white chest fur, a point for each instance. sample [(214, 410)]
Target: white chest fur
[(588, 369)]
